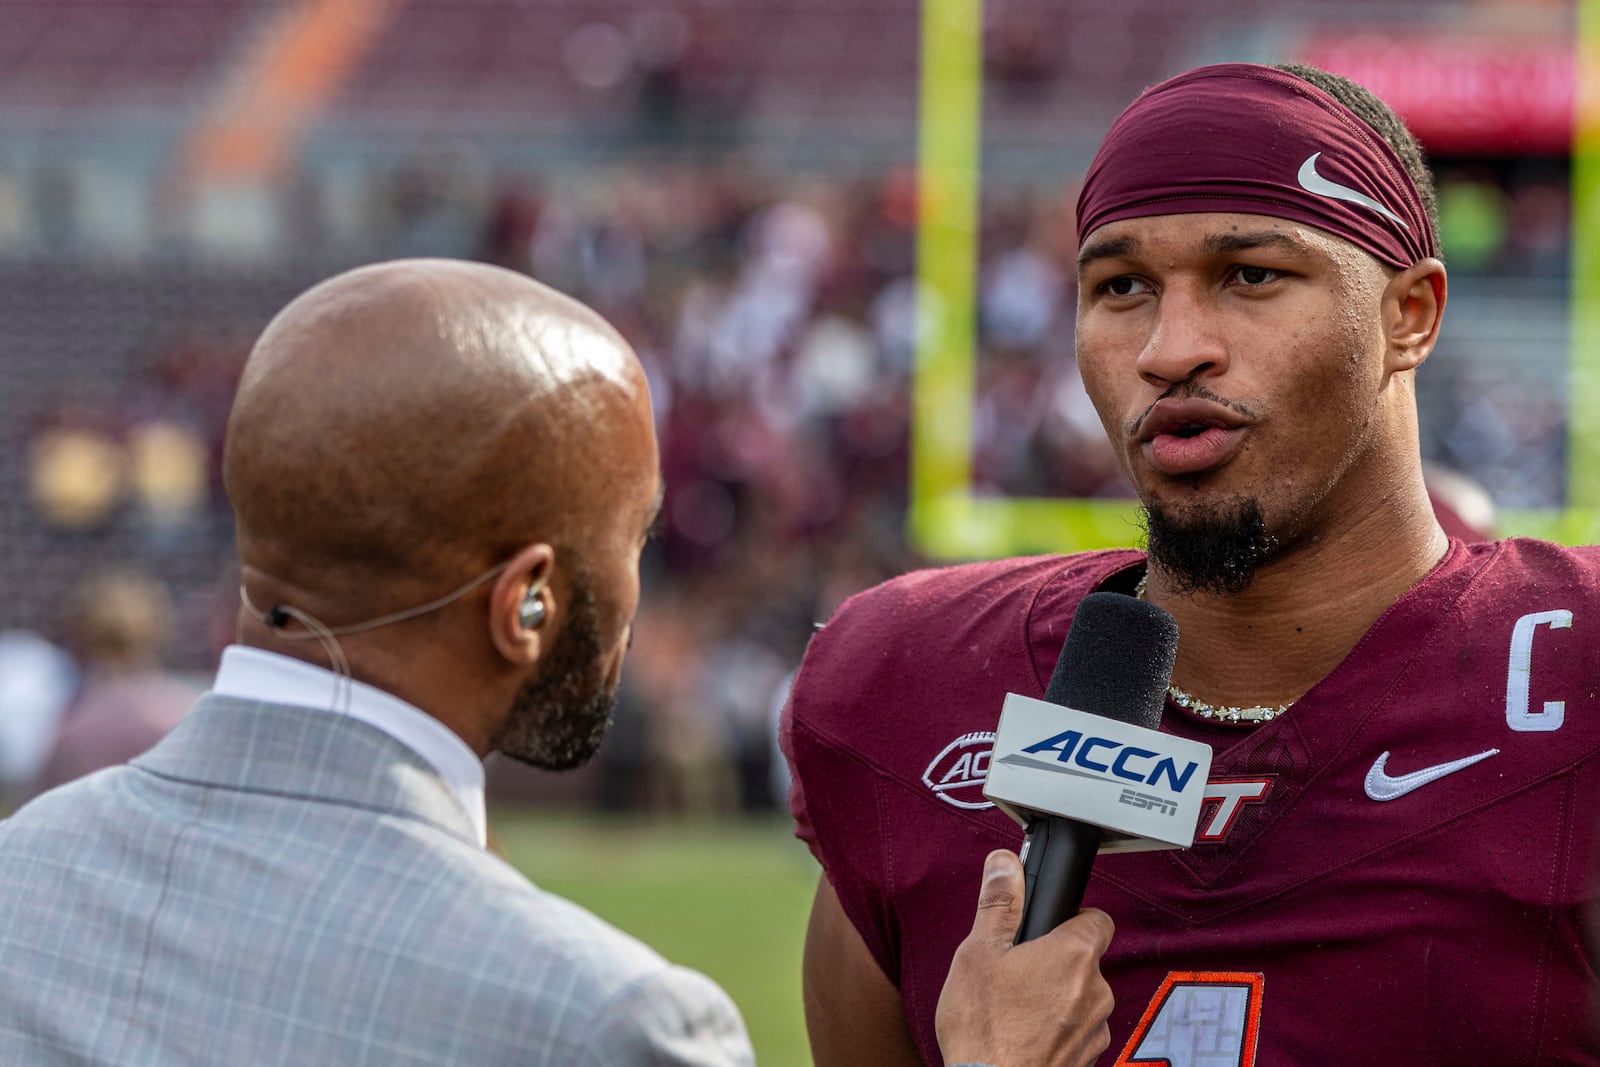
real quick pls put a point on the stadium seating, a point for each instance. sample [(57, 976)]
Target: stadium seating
[(118, 55)]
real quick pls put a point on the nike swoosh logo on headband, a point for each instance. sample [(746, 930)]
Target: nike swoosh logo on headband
[(1312, 182)]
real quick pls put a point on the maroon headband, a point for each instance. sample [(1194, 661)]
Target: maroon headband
[(1244, 138)]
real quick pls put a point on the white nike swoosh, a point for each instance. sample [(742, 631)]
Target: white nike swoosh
[(1312, 182), (1381, 786)]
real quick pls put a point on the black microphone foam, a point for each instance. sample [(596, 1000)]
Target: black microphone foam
[(1117, 660)]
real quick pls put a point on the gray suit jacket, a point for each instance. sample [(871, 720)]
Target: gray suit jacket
[(279, 885)]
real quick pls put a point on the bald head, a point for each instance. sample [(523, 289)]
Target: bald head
[(405, 423)]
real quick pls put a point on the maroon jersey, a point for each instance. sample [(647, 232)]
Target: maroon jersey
[(1396, 871)]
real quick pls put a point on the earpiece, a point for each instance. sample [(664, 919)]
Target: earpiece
[(532, 612)]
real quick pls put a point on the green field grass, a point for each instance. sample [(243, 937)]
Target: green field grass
[(729, 898)]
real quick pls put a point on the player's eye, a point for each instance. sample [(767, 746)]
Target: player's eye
[(1125, 285), (1251, 276)]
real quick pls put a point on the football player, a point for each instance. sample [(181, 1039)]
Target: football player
[(1398, 839)]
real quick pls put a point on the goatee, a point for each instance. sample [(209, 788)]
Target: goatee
[(1215, 548)]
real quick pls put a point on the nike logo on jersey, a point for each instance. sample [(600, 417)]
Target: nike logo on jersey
[(1312, 182), (1383, 786)]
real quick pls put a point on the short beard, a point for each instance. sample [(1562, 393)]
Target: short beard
[(560, 715), (1211, 549)]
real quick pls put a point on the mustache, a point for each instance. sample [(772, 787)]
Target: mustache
[(1189, 390)]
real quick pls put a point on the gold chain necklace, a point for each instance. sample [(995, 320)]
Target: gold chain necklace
[(1228, 713)]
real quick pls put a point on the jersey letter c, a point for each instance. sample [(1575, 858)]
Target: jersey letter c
[(1519, 675)]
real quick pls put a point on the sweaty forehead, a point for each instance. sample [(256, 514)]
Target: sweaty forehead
[(1211, 234)]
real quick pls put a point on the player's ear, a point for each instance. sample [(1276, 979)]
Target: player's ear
[(520, 603), (1413, 309)]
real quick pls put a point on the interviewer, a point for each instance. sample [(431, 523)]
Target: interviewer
[(442, 474)]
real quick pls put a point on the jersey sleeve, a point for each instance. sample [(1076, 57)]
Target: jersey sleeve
[(833, 797)]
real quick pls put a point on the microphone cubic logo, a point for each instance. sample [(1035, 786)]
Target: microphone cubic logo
[(1143, 787)]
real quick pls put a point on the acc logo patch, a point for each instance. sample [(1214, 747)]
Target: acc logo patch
[(957, 774)]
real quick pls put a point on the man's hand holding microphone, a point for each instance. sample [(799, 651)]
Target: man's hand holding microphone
[(1024, 988), (1042, 1003)]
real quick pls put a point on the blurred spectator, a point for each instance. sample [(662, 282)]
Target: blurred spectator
[(169, 468), (432, 206), (686, 97), (836, 361), (76, 475), (36, 681), (1023, 56), (1539, 231), (143, 457), (1507, 434), (660, 40), (511, 227), (117, 624), (1462, 506), (1021, 298), (687, 749)]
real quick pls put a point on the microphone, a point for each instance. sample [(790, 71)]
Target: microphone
[(1086, 770)]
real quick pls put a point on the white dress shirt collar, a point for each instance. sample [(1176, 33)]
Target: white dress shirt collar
[(256, 674)]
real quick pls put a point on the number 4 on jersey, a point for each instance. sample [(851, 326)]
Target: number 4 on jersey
[(1199, 1019)]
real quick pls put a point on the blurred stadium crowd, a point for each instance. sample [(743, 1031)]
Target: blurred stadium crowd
[(734, 186)]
